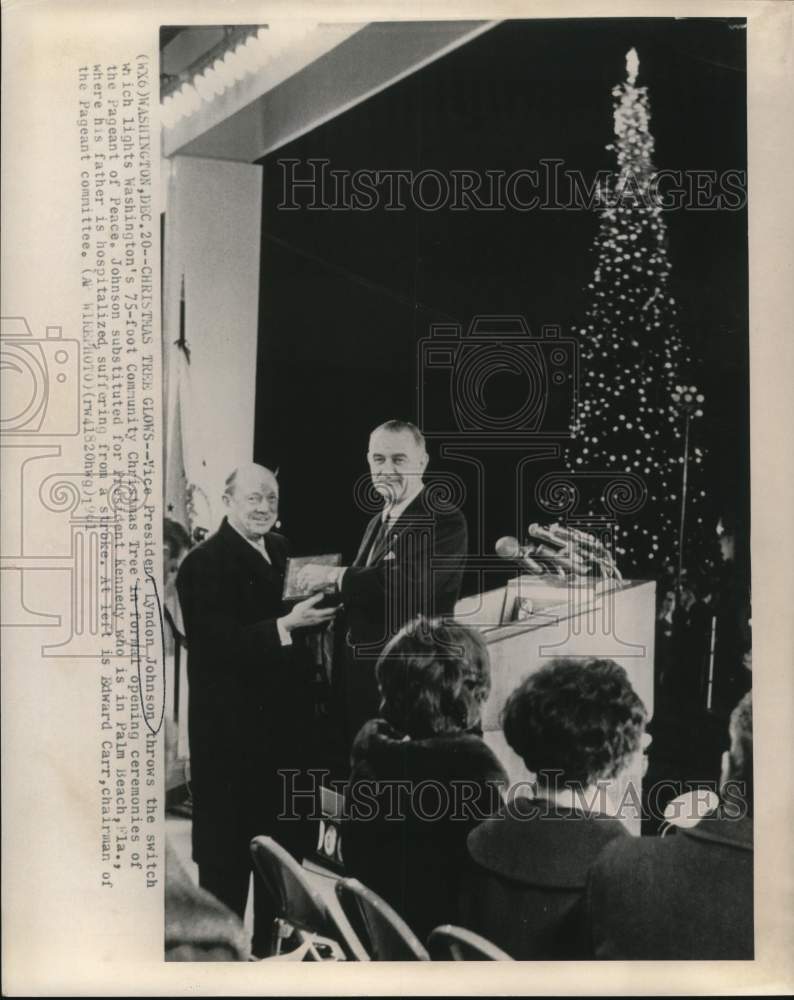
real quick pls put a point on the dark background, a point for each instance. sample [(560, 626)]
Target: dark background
[(347, 295)]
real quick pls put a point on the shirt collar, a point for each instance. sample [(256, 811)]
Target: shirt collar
[(396, 509), (593, 800), (259, 545)]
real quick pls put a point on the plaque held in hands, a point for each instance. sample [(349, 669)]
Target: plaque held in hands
[(294, 592)]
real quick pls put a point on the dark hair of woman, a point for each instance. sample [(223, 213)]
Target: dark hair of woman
[(175, 538), (580, 720), (434, 677)]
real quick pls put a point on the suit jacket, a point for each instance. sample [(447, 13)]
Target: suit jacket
[(526, 886), (249, 698), (686, 896), (416, 570), (414, 862)]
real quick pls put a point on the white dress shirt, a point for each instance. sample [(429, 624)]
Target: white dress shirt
[(393, 512), (389, 517)]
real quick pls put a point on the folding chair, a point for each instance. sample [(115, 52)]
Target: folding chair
[(384, 934), (456, 944), (301, 909)]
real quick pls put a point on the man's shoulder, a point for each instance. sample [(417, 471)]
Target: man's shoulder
[(434, 502), (437, 499), (453, 515), (205, 552), (278, 541), (225, 544), (636, 859), (451, 530), (691, 848)]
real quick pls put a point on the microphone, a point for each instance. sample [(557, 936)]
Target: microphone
[(560, 552), (557, 549), (510, 548), (582, 551)]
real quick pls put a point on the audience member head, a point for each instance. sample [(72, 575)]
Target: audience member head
[(176, 542), (434, 677), (737, 762), (397, 459), (251, 497), (575, 722), (726, 534), (667, 606)]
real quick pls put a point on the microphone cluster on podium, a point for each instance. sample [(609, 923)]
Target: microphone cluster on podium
[(564, 553)]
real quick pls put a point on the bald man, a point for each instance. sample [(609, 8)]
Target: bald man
[(249, 700)]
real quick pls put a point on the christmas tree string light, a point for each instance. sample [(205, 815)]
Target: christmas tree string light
[(633, 359)]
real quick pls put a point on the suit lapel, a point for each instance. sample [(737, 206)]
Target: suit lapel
[(381, 544), (245, 551), (415, 509), (276, 553), (372, 527)]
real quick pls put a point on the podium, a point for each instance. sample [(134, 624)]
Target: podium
[(531, 621)]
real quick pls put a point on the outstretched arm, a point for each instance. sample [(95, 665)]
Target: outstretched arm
[(428, 567)]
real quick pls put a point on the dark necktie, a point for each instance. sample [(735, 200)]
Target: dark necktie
[(378, 539)]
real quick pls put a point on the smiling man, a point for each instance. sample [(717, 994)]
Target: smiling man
[(410, 562), (249, 697)]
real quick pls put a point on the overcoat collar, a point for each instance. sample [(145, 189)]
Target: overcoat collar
[(245, 551), (720, 829), (542, 846)]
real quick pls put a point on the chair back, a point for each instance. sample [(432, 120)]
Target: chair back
[(456, 944), (298, 902), (382, 931)]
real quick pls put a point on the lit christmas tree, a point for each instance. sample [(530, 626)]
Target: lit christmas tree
[(633, 359)]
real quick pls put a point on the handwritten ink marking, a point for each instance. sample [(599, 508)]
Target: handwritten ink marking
[(153, 628)]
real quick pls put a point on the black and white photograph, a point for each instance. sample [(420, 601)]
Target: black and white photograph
[(456, 490)]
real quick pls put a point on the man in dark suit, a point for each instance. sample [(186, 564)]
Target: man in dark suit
[(249, 701), (410, 563), (689, 895)]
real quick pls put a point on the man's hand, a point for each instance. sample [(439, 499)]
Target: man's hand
[(305, 614), (313, 577)]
